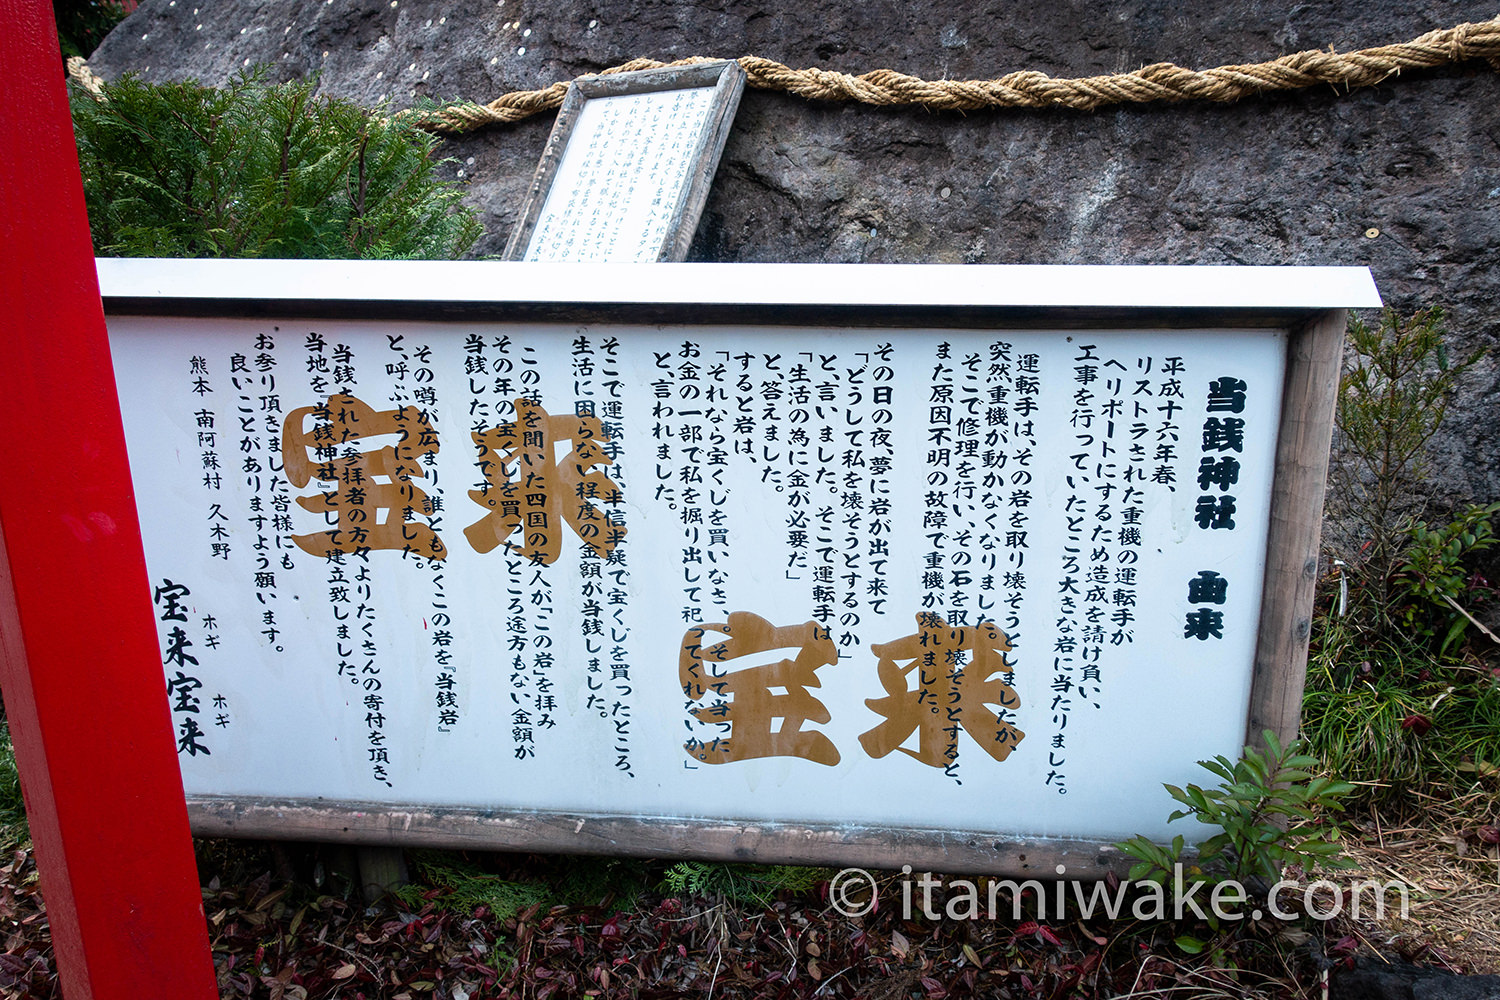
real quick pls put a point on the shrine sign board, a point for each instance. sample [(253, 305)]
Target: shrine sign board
[(628, 165), (929, 565)]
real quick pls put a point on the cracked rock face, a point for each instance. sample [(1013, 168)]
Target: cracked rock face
[(1403, 178)]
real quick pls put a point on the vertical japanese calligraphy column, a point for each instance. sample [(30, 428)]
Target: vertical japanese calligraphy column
[(1218, 473), (85, 697), (680, 414), (611, 406), (346, 442), (716, 467), (542, 494), (1009, 447), (735, 711), (181, 654), (497, 435), (411, 368), (935, 501), (1124, 452), (591, 587), (647, 173), (623, 150), (882, 456)]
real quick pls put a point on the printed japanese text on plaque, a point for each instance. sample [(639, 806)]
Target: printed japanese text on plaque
[(931, 578), (621, 179)]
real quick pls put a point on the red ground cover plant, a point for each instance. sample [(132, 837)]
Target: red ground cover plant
[(287, 940)]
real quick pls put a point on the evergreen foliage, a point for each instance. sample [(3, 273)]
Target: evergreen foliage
[(182, 170), (741, 883), (1396, 700), (13, 826), (449, 881), (1392, 398), (82, 24), (452, 881)]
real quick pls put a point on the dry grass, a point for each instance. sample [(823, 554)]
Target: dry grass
[(1453, 878)]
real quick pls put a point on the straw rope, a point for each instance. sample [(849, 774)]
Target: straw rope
[(1157, 82), (78, 69), (887, 88)]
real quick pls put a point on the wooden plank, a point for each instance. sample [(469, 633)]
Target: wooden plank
[(1310, 392), (546, 172), (84, 691), (646, 81), (381, 869), (684, 224), (955, 851)]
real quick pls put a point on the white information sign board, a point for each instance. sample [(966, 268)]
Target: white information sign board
[(921, 578)]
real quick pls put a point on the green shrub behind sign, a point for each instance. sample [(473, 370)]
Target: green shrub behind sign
[(182, 170)]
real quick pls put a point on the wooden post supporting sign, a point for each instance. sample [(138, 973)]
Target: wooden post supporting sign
[(84, 691)]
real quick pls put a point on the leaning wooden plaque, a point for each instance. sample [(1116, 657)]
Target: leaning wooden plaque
[(627, 168), (882, 565)]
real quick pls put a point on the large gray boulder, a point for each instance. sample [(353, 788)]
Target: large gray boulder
[(1300, 178)]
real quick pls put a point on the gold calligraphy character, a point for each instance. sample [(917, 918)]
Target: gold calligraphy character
[(752, 706), (528, 490), (956, 681), (373, 495)]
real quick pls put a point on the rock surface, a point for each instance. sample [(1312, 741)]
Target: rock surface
[(1370, 980), (1302, 178)]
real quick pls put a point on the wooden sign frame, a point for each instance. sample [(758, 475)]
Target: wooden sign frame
[(1308, 303), (728, 82)]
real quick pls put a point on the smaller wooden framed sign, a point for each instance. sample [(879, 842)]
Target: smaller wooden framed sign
[(627, 168)]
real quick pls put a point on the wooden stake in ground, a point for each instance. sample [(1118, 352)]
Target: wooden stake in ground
[(84, 688)]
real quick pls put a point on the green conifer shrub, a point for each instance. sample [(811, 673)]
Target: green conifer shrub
[(249, 170), (82, 24)]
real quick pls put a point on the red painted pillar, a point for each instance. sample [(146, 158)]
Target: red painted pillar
[(82, 674)]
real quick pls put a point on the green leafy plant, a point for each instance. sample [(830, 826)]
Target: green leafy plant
[(1395, 702), (1434, 575), (599, 881), (741, 883), (248, 170), (1397, 724), (1270, 809)]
